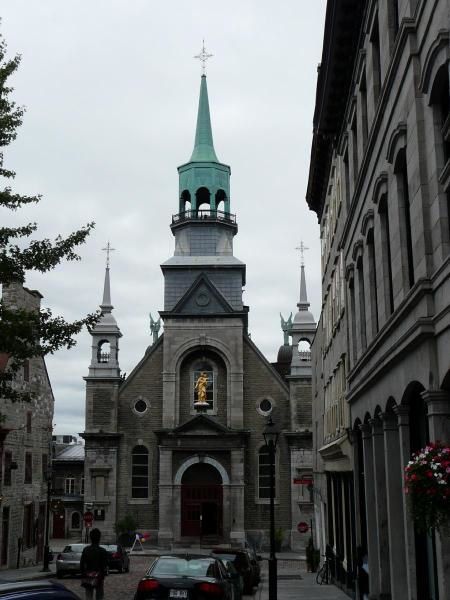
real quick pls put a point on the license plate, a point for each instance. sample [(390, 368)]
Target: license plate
[(178, 594)]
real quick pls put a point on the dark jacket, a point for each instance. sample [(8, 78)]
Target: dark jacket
[(94, 558)]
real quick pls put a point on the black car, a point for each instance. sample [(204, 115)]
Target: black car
[(36, 590), (118, 559), (241, 561), (236, 579), (185, 577)]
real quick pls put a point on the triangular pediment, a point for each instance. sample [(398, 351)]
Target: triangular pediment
[(202, 298), (201, 425)]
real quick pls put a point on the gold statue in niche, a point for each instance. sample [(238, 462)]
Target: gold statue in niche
[(200, 387)]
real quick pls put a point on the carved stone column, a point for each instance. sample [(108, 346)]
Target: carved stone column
[(372, 531), (394, 484)]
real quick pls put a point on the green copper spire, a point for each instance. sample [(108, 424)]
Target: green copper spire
[(204, 146)]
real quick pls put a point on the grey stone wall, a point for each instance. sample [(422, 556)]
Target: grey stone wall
[(20, 440)]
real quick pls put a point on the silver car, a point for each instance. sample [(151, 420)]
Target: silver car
[(68, 561)]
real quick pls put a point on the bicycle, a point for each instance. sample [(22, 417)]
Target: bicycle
[(324, 573)]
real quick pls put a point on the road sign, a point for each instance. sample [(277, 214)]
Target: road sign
[(302, 481), (88, 518), (302, 527)]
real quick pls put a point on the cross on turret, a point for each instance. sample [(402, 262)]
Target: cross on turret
[(108, 250), (302, 249), (203, 56)]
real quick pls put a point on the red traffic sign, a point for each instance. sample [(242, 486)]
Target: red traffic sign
[(302, 527), (302, 481), (88, 518)]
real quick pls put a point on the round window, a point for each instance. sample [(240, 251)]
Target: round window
[(265, 406), (140, 406)]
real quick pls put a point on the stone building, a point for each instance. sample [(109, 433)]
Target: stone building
[(67, 487), (149, 453), (379, 181), (25, 447)]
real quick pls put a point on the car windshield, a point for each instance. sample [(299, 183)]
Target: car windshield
[(194, 567), (74, 548)]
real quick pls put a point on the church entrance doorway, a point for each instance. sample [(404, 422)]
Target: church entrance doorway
[(201, 501)]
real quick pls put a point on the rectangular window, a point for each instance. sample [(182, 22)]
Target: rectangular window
[(28, 525), (44, 467), (69, 486), (29, 417), (26, 370), (376, 59), (82, 487), (7, 473), (28, 468), (264, 473)]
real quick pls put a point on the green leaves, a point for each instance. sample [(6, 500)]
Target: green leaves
[(25, 334)]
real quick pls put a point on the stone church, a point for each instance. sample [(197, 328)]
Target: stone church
[(184, 474)]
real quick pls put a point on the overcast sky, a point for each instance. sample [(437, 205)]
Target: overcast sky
[(111, 90)]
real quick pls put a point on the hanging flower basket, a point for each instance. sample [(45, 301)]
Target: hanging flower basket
[(427, 483)]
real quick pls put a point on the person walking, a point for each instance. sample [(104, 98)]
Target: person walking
[(94, 566)]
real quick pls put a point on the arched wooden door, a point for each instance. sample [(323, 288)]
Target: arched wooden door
[(201, 501)]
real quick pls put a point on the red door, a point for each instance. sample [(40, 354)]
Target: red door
[(59, 524), (201, 510)]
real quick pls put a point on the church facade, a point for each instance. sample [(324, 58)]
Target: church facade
[(181, 470)]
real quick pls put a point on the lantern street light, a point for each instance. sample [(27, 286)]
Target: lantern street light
[(271, 438)]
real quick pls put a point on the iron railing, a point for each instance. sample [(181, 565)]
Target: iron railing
[(203, 214)]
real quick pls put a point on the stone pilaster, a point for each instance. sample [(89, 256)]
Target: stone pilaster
[(402, 413), (394, 481), (438, 405), (237, 533), (371, 520), (166, 516), (380, 507)]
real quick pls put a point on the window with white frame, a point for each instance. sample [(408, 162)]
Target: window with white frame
[(69, 486), (264, 473)]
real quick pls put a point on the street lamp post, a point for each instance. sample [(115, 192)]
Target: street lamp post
[(271, 438), (46, 568)]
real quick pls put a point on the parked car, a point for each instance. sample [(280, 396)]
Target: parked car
[(118, 558), (36, 590), (235, 578), (185, 576), (241, 561), (255, 559), (68, 561)]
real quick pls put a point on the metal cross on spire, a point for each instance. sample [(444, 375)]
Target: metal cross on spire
[(203, 56), (108, 250), (302, 249)]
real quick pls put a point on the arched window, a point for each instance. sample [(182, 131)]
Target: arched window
[(401, 173), (75, 521), (264, 473), (103, 351), (139, 472)]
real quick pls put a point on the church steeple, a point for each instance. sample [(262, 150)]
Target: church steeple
[(303, 304), (203, 146), (105, 335), (204, 181)]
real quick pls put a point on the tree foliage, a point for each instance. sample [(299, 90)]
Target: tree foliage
[(25, 334)]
